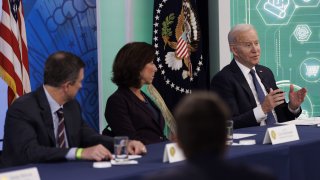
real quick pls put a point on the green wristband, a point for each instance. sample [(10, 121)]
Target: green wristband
[(78, 153)]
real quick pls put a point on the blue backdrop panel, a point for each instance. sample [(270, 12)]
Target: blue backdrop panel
[(68, 25)]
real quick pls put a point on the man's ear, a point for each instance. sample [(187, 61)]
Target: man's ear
[(230, 47), (65, 85), (233, 50)]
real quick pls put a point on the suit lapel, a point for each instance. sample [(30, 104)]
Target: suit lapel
[(46, 113), (262, 76), (142, 106), (68, 123), (160, 122), (238, 75)]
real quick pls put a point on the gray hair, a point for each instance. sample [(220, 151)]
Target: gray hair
[(237, 29)]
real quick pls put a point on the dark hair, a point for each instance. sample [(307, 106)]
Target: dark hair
[(201, 124), (61, 67), (129, 62)]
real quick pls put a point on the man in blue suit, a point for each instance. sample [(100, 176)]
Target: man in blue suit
[(46, 125), (250, 89)]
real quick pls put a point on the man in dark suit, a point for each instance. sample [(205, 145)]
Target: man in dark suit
[(46, 125), (201, 133), (250, 89)]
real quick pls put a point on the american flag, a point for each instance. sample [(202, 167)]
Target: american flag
[(182, 47), (14, 66)]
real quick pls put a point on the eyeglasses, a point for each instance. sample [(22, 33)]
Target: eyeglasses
[(248, 45)]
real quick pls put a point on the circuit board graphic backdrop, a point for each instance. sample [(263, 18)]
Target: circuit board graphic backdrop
[(289, 34)]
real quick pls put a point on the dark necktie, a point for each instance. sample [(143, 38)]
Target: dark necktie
[(270, 118), (61, 129)]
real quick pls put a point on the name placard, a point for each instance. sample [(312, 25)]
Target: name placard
[(24, 174), (281, 134), (173, 153)]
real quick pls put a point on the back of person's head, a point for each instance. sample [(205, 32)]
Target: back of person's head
[(61, 67), (201, 124), (130, 61), (237, 30)]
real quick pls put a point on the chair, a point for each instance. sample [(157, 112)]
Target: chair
[(108, 132)]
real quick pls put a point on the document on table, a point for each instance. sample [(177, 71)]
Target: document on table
[(304, 121), (240, 136)]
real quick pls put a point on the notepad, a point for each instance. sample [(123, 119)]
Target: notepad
[(304, 121), (129, 162), (240, 135), (131, 157)]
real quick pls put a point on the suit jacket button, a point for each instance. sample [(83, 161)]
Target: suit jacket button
[(161, 138)]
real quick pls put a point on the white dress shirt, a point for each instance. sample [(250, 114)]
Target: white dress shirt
[(258, 113), (54, 106)]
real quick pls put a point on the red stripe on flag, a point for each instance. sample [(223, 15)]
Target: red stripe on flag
[(182, 48), (5, 7), (14, 51), (8, 67), (9, 37)]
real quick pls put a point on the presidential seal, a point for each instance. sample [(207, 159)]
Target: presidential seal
[(177, 40)]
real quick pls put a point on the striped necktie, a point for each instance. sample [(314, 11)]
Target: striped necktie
[(61, 129), (270, 118)]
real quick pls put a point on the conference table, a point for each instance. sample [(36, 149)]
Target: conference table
[(288, 161), (298, 160)]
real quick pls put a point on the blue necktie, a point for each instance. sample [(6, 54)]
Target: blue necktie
[(270, 118)]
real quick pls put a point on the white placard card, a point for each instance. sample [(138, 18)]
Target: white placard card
[(24, 174), (281, 134), (173, 153)]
